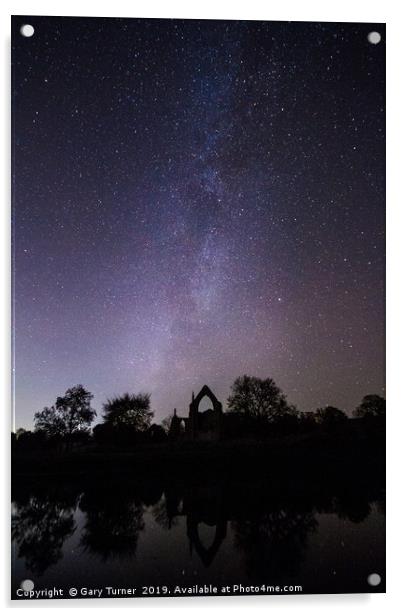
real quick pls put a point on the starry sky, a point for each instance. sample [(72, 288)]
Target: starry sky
[(196, 200)]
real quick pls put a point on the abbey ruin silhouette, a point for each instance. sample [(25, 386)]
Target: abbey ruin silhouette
[(206, 425)]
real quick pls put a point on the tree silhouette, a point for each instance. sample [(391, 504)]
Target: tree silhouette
[(114, 522), (71, 414), (39, 528), (330, 415), (274, 542), (129, 410), (258, 398), (371, 406), (165, 515)]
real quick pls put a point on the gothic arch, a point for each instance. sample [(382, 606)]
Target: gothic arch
[(205, 392), (206, 553), (198, 427)]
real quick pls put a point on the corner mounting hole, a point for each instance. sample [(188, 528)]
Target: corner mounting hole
[(374, 579), (27, 30), (374, 37), (27, 585)]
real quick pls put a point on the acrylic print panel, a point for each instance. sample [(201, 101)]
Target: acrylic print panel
[(198, 263)]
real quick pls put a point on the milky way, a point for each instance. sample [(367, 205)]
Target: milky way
[(196, 200)]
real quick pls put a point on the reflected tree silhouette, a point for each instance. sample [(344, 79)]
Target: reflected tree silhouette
[(273, 545), (381, 505), (40, 527), (271, 521), (352, 507), (113, 524), (165, 514)]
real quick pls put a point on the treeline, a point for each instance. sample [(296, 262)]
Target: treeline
[(127, 420), (255, 408)]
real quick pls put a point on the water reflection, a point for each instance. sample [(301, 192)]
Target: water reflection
[(113, 524), (267, 531), (274, 543), (39, 526)]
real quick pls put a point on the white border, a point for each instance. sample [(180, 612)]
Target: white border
[(292, 10)]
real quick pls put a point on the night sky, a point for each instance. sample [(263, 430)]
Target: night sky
[(196, 200)]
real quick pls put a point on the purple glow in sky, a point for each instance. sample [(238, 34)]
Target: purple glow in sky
[(196, 200)]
